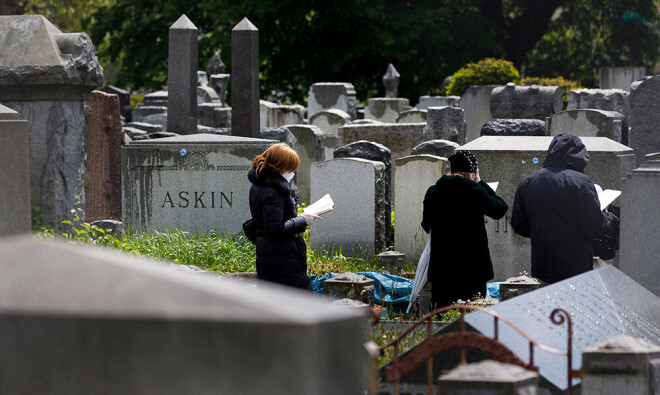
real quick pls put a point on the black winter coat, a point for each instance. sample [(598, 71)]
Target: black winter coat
[(454, 209), (558, 208), (281, 251)]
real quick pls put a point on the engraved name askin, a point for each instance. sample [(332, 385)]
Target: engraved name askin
[(196, 199)]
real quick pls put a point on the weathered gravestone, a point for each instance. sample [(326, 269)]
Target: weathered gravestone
[(214, 115), (488, 378), (603, 99), (85, 321), (446, 123), (517, 286), (311, 148), (620, 77), (45, 76), (15, 174), (399, 138), (331, 95), (274, 115), (413, 175), (245, 79), (437, 101), (586, 123), (527, 102), (182, 77), (476, 103), (513, 127), (124, 101), (640, 226), (206, 94), (442, 148), (385, 109), (195, 183), (644, 136), (391, 81), (360, 219), (509, 159), (329, 121), (104, 140), (350, 286), (412, 116)]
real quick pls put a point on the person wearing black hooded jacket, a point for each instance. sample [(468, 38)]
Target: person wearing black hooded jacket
[(558, 208), (281, 250)]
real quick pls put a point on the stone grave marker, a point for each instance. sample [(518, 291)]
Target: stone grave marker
[(274, 115), (359, 221), (206, 94), (331, 95), (385, 109), (603, 99), (45, 76), (214, 115), (640, 225), (644, 136), (195, 183), (586, 123), (509, 159), (15, 174), (488, 378), (104, 140), (182, 77), (513, 127), (476, 103), (124, 101), (245, 80), (413, 176), (391, 81), (350, 286), (620, 77), (517, 286), (437, 101), (78, 319), (446, 123), (311, 148), (526, 102), (412, 116), (442, 148), (399, 138)]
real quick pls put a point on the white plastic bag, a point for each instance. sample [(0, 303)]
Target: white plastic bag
[(421, 273)]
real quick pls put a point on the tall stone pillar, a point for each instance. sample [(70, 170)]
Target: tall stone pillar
[(45, 76), (245, 80), (182, 77)]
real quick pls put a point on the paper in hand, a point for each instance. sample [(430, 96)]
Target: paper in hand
[(606, 197), (321, 206)]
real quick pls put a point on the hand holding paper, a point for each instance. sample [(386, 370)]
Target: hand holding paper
[(321, 206), (606, 196)]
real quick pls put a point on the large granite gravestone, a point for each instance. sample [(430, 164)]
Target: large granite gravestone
[(359, 221), (329, 121), (274, 115), (437, 101), (104, 140), (644, 136), (182, 77), (620, 77), (603, 303), (331, 95), (603, 99), (15, 174), (413, 175), (509, 159), (245, 80), (196, 183), (385, 109), (640, 226), (528, 102), (412, 116), (311, 148), (476, 103), (442, 148), (446, 123), (513, 127), (45, 76), (586, 123), (77, 320), (400, 138)]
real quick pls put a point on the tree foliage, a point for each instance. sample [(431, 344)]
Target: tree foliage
[(484, 72)]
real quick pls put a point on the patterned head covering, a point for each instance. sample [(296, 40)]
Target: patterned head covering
[(463, 161)]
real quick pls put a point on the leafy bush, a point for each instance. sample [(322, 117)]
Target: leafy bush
[(488, 71), (564, 84)]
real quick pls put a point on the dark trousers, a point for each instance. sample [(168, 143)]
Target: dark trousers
[(444, 294)]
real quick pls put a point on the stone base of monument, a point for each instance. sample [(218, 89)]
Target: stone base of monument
[(392, 261), (350, 286), (517, 286), (488, 378)]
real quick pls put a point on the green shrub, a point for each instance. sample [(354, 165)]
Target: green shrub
[(564, 84), (488, 71)]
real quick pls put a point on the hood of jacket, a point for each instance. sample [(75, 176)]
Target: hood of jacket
[(567, 151), (269, 180)]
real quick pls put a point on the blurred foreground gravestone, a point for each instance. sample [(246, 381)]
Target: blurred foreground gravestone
[(75, 320), (488, 378)]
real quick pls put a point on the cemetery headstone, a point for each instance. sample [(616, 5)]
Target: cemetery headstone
[(182, 77), (202, 78), (329, 121), (88, 328), (158, 98), (283, 135), (640, 225), (513, 127), (195, 183), (509, 159), (644, 136), (155, 135), (488, 378), (215, 65), (206, 94), (412, 116), (131, 133), (413, 175), (517, 286), (446, 123), (332, 95), (124, 102), (350, 286), (245, 80), (274, 115), (392, 261), (620, 77), (311, 148), (586, 123), (15, 174), (145, 127), (214, 115), (45, 76), (391, 81), (528, 102), (476, 103), (438, 101), (219, 82), (359, 221), (399, 138), (105, 138), (442, 148), (603, 99), (109, 226), (385, 109)]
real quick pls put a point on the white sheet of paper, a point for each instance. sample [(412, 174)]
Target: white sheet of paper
[(321, 206), (606, 197), (493, 185)]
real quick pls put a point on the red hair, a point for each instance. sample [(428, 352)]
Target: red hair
[(278, 158)]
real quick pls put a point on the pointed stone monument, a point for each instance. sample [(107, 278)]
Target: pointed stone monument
[(245, 80), (182, 77), (391, 81)]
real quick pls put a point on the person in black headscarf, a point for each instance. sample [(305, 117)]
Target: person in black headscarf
[(454, 209), (558, 208)]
